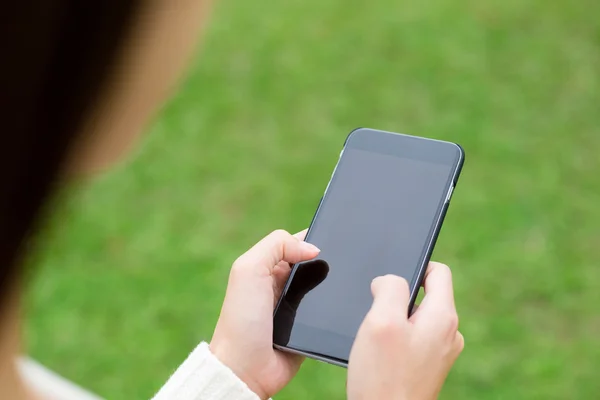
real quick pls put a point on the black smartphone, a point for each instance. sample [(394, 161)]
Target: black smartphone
[(380, 214)]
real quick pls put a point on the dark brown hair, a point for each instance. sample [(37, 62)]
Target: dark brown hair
[(56, 55)]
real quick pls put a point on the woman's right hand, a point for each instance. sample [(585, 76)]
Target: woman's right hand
[(397, 357)]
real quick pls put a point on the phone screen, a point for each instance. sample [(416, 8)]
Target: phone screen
[(376, 218)]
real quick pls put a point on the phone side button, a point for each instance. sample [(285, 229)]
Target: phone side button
[(449, 194)]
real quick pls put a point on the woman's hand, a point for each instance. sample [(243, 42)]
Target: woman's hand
[(243, 338), (396, 357)]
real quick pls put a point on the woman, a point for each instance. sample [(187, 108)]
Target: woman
[(79, 81)]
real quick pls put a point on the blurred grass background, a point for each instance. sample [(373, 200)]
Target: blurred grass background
[(134, 267)]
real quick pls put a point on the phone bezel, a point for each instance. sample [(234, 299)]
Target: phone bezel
[(418, 152)]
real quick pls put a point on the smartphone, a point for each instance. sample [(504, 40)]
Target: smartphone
[(381, 213)]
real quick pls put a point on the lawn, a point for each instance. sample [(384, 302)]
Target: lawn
[(134, 266)]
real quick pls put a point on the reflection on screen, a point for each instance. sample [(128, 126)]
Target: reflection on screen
[(375, 220)]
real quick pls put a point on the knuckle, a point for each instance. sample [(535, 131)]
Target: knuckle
[(402, 284), (460, 343), (451, 321), (238, 266), (383, 327), (443, 268), (280, 234)]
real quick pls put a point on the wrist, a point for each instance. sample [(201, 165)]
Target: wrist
[(223, 353)]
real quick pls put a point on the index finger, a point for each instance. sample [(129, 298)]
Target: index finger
[(391, 295), (439, 291)]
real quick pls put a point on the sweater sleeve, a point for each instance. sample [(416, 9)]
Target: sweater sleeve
[(203, 377)]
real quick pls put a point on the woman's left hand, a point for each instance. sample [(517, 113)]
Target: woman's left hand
[(243, 338)]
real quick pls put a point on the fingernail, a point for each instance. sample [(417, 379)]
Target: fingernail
[(310, 247)]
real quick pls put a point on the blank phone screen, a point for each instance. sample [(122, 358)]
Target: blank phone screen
[(376, 218)]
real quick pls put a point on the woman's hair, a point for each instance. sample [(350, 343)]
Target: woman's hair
[(56, 55)]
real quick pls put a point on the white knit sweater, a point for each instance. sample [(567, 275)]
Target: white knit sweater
[(203, 377)]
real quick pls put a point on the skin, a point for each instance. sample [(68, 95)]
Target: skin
[(243, 340), (393, 357), (428, 343), (151, 61)]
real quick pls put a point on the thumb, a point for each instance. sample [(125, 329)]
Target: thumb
[(274, 248), (391, 295)]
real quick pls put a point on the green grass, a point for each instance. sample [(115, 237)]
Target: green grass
[(134, 268)]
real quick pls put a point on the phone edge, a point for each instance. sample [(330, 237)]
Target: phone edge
[(414, 290), (324, 359)]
